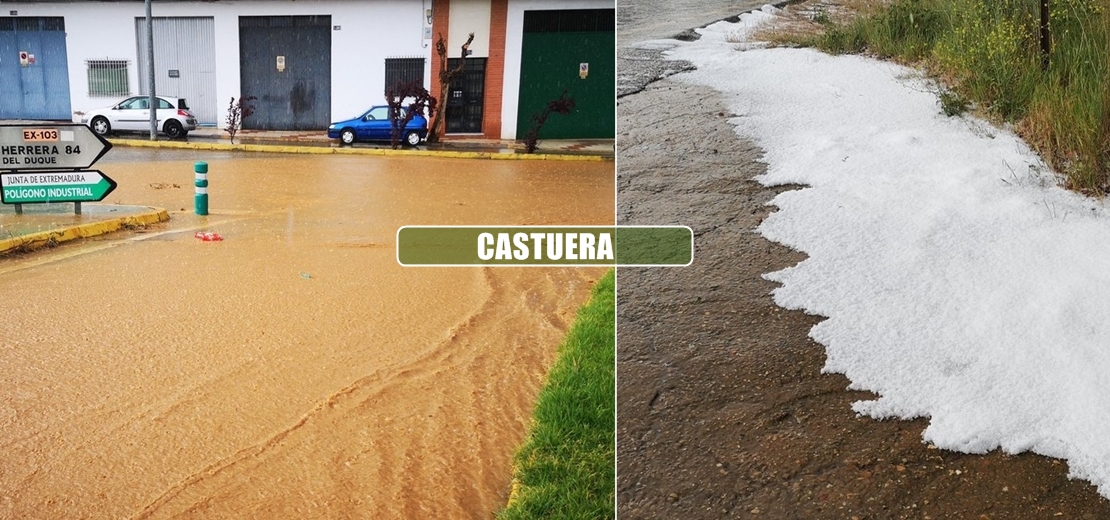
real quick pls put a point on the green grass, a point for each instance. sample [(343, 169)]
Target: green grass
[(565, 469), (987, 52), (907, 29)]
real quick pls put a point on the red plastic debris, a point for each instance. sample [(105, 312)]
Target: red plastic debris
[(208, 236)]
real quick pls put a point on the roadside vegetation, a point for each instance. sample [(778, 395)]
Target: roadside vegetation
[(565, 469), (987, 56)]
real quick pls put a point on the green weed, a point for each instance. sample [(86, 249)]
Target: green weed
[(988, 52), (951, 103), (565, 468)]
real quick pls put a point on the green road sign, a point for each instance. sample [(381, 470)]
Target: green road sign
[(72, 186), (49, 147)]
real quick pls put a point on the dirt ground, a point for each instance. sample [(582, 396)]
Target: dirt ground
[(723, 409)]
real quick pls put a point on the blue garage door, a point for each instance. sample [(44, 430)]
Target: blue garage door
[(34, 71)]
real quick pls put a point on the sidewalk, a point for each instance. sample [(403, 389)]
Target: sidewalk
[(317, 142), (49, 224), (598, 147)]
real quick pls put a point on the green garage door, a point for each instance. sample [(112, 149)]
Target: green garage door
[(569, 50)]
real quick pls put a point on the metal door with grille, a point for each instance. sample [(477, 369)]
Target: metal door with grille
[(464, 102), (184, 63), (285, 63), (34, 70)]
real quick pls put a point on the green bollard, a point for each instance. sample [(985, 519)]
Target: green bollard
[(201, 197)]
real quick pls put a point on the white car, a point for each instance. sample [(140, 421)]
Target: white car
[(133, 115)]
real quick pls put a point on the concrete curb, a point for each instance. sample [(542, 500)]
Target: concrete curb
[(322, 150), (91, 229)]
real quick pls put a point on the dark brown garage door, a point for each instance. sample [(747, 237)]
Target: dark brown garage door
[(285, 62)]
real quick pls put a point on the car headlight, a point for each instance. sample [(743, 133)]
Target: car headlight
[(331, 127)]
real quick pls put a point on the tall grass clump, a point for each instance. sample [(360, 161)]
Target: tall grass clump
[(565, 469), (988, 52), (906, 29), (1069, 118)]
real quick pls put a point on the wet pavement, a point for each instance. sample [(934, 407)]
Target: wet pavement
[(460, 146), (724, 410), (293, 369), (595, 147), (640, 22)]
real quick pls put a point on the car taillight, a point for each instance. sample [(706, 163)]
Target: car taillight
[(184, 113)]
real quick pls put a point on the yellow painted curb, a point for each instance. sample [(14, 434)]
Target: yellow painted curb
[(322, 150), (35, 240)]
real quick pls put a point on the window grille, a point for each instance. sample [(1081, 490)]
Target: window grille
[(32, 23), (572, 20), (108, 78), (403, 70)]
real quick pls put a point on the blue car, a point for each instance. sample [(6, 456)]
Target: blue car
[(374, 125)]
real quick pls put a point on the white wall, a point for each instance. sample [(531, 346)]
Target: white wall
[(514, 40), (469, 16), (370, 31)]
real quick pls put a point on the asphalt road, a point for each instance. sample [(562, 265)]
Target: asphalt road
[(639, 21), (723, 411)]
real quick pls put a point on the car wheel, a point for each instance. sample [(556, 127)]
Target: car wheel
[(412, 139), (100, 126), (347, 136), (173, 129)]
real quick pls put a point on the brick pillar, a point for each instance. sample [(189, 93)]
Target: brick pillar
[(495, 70)]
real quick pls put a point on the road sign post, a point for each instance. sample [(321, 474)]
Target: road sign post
[(44, 163)]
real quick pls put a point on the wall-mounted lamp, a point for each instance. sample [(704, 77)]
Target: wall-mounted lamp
[(428, 15)]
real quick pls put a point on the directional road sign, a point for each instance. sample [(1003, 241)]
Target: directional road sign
[(64, 186), (49, 147)]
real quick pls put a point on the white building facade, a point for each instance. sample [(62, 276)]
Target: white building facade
[(337, 50), (307, 62)]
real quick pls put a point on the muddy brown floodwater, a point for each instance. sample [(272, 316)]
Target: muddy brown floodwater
[(293, 370)]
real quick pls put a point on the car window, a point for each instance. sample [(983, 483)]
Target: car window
[(164, 104), (134, 104), (378, 113)]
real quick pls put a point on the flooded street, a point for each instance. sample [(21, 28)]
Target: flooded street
[(293, 369)]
